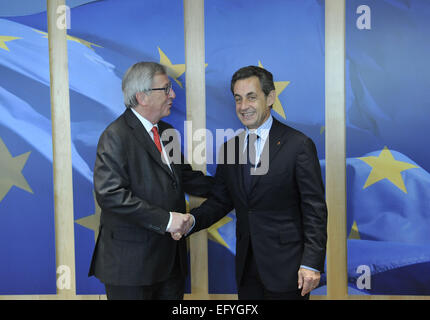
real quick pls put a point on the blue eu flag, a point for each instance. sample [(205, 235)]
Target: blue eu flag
[(27, 231), (387, 112), (388, 163)]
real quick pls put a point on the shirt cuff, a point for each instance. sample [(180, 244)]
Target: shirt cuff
[(309, 268), (194, 222), (170, 222)]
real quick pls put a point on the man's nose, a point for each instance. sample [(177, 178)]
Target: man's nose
[(243, 106), (172, 93), (240, 104)]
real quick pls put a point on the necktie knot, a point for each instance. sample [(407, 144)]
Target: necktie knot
[(156, 138)]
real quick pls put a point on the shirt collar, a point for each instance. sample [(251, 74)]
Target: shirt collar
[(262, 131), (146, 123)]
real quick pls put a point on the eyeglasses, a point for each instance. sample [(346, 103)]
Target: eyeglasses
[(166, 89)]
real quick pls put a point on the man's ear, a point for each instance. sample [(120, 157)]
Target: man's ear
[(141, 98), (271, 98)]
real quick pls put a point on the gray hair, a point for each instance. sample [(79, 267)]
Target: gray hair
[(138, 78)]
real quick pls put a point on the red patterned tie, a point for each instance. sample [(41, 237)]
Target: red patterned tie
[(156, 138)]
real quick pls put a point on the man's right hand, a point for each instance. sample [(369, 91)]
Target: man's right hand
[(180, 224)]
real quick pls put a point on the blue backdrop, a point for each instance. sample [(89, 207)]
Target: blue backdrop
[(387, 121), (388, 112)]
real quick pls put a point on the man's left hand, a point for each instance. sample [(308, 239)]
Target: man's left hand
[(308, 280)]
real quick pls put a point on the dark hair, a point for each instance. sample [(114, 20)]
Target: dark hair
[(265, 77)]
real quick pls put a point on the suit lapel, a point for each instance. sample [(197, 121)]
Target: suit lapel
[(174, 165), (271, 149), (144, 138)]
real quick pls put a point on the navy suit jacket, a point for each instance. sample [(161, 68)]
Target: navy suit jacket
[(284, 215)]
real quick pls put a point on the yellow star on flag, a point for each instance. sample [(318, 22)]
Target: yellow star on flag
[(213, 232), (10, 171), (75, 39), (386, 167), (92, 221), (279, 87), (84, 42), (173, 70), (4, 39), (354, 234)]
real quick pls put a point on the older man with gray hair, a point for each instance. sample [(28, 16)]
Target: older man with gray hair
[(140, 193)]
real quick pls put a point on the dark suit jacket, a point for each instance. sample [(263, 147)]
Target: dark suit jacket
[(136, 191), (284, 216)]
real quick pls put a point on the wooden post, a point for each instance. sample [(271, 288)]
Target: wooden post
[(337, 286), (62, 155), (196, 114)]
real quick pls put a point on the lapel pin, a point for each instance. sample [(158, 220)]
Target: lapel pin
[(278, 143)]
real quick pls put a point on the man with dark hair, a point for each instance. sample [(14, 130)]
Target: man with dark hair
[(281, 210), (265, 77), (141, 192)]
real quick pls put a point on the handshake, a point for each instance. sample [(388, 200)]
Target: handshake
[(180, 224)]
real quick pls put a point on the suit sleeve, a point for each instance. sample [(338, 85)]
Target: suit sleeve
[(216, 206), (313, 206), (112, 186), (195, 182)]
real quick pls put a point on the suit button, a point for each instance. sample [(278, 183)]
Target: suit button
[(174, 184)]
